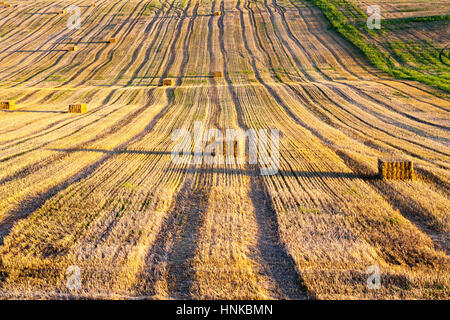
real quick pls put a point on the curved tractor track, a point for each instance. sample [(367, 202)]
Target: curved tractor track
[(100, 191)]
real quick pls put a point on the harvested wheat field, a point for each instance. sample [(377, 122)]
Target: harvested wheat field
[(89, 187)]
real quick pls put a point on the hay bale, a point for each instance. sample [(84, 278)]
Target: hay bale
[(93, 4), (394, 169), (232, 150), (73, 48), (217, 13), (168, 82), (238, 148), (222, 143), (218, 74), (8, 105), (113, 40), (62, 12), (78, 108), (225, 145)]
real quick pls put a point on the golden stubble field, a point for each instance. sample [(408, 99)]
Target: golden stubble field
[(99, 190)]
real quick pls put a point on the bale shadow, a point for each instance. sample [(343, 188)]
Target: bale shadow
[(279, 263), (83, 42), (177, 242), (39, 50), (34, 111)]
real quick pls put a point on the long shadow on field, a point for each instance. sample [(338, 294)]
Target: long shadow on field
[(300, 174), (181, 77), (31, 204), (188, 16), (121, 151), (41, 13), (172, 254), (34, 111), (83, 42), (169, 17), (28, 206), (32, 51), (280, 265)]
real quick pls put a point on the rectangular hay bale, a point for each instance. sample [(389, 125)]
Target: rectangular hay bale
[(232, 148), (8, 105), (168, 82), (394, 169), (238, 148), (78, 108), (113, 40), (218, 74), (73, 48), (217, 13)]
